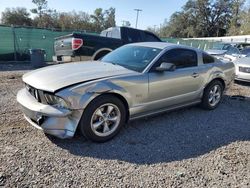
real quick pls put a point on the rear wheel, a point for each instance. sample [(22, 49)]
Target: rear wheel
[(103, 118), (212, 95), (100, 54)]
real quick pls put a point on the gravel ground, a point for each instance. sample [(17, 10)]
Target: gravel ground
[(185, 148)]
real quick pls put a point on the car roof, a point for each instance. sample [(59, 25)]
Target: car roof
[(159, 45)]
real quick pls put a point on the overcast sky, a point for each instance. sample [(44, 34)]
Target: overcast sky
[(154, 11)]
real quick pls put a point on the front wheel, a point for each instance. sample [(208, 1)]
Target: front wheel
[(103, 118), (212, 95)]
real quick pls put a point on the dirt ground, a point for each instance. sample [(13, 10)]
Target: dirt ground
[(185, 148)]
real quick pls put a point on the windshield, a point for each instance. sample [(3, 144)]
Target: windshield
[(132, 57), (246, 51), (221, 46), (232, 50)]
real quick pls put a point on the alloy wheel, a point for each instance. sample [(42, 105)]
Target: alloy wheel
[(105, 119), (214, 95)]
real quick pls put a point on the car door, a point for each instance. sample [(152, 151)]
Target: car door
[(176, 87)]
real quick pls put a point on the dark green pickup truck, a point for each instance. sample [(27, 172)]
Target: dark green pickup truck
[(81, 47)]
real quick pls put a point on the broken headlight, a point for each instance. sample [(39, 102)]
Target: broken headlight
[(55, 101)]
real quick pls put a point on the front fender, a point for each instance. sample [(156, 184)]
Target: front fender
[(81, 95)]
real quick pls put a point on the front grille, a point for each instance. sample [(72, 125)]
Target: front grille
[(34, 92), (244, 69)]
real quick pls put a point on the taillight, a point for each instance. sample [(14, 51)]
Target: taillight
[(76, 43)]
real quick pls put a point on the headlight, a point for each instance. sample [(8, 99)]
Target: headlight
[(55, 101)]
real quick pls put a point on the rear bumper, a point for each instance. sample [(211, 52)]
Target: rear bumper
[(243, 79), (66, 59), (61, 123)]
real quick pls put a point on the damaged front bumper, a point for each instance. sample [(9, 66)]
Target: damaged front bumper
[(59, 122)]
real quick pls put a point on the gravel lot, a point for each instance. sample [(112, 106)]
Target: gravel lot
[(184, 148)]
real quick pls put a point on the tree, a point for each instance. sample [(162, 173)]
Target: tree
[(237, 11), (16, 16), (45, 17), (109, 20), (98, 19), (201, 18), (74, 21), (244, 21), (103, 19), (42, 7)]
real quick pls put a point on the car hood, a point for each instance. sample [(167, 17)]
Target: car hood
[(55, 77), (216, 52), (245, 61)]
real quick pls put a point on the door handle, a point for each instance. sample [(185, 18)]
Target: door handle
[(195, 75)]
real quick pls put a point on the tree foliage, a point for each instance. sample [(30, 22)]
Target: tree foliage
[(16, 16), (49, 18), (244, 23), (205, 18), (42, 7), (238, 17), (103, 18)]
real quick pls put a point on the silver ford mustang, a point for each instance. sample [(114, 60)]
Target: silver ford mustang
[(136, 80)]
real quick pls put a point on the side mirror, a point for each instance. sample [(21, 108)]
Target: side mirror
[(165, 67)]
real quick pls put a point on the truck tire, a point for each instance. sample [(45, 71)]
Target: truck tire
[(100, 53)]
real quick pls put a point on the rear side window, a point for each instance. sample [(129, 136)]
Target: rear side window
[(181, 58), (151, 38), (207, 59), (116, 33), (109, 34), (133, 36)]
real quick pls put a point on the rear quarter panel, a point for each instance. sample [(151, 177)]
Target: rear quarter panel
[(219, 69)]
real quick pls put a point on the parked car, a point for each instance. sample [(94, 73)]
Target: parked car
[(133, 81), (233, 54), (245, 52), (79, 47), (242, 69), (221, 49), (241, 45)]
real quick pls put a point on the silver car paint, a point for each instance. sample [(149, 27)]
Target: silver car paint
[(143, 93), (242, 76), (216, 52), (56, 77)]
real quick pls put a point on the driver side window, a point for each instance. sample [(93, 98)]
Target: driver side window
[(181, 58)]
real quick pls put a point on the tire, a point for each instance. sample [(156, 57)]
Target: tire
[(103, 118), (211, 96), (100, 55)]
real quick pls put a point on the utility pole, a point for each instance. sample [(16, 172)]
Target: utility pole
[(155, 28), (137, 10)]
